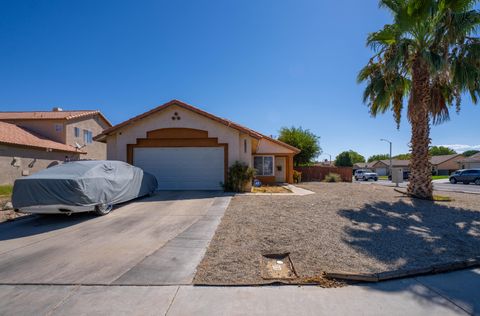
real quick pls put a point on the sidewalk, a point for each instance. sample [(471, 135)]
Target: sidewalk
[(455, 293)]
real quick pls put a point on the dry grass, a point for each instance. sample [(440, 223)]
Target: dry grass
[(270, 189), (344, 227)]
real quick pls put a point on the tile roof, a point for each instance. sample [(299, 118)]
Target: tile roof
[(15, 135), (50, 115), (184, 105)]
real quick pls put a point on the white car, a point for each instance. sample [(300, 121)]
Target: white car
[(365, 175)]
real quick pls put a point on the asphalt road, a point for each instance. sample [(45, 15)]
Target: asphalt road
[(439, 185)]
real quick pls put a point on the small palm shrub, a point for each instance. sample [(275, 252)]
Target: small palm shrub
[(333, 177), (297, 176), (239, 174)]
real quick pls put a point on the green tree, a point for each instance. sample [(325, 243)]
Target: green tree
[(343, 160), (469, 153), (378, 157), (406, 156), (356, 157), (441, 150), (429, 54), (304, 140)]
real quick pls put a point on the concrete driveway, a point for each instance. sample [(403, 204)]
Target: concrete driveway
[(153, 241)]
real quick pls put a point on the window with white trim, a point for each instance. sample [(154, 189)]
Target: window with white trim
[(263, 165)]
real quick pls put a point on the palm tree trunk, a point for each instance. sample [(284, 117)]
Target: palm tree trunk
[(420, 169)]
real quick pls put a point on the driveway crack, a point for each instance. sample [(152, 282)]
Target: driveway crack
[(171, 302)]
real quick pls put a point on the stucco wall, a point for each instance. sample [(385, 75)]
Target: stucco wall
[(28, 161), (188, 119), (266, 146), (45, 128), (451, 164), (96, 125)]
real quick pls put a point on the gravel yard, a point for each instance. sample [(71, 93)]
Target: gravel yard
[(344, 227)]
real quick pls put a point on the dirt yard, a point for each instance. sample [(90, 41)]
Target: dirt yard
[(344, 227)]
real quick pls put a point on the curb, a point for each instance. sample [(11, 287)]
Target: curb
[(397, 274)]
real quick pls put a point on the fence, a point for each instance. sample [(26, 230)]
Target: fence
[(318, 173)]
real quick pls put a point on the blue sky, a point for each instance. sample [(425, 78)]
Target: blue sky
[(264, 64)]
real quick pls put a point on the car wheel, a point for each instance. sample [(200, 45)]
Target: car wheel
[(453, 181), (375, 179), (103, 209), (477, 182)]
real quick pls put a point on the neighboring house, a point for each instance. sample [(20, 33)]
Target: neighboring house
[(31, 141), (187, 148), (382, 167), (359, 165), (444, 165), (469, 162)]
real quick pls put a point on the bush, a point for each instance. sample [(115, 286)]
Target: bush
[(333, 177), (297, 176), (239, 174)]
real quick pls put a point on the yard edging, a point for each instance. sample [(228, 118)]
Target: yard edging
[(397, 274)]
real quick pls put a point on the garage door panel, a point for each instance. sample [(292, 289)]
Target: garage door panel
[(184, 168)]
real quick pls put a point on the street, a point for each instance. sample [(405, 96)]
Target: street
[(439, 185)]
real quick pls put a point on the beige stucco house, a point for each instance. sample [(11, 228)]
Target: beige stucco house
[(31, 141), (188, 148)]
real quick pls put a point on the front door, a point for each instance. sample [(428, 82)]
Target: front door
[(280, 164)]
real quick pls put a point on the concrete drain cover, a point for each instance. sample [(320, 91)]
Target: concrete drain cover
[(277, 266)]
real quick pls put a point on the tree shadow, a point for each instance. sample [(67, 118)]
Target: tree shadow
[(415, 234)]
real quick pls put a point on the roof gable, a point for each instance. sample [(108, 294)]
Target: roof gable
[(189, 107)]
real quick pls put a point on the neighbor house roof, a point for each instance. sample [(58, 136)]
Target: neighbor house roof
[(186, 106), (474, 158), (50, 115), (386, 162), (15, 135), (436, 160)]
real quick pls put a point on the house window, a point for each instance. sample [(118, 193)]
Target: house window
[(245, 146), (263, 165), (87, 137), (77, 132)]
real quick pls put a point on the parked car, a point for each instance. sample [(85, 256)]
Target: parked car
[(365, 175), (81, 186), (465, 176)]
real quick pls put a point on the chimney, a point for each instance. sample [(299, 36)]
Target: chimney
[(57, 109)]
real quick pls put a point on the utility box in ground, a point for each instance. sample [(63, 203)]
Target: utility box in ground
[(397, 175)]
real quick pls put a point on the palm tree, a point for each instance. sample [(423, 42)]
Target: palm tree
[(429, 55)]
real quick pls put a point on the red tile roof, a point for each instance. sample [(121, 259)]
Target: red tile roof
[(50, 115), (15, 135), (184, 105)]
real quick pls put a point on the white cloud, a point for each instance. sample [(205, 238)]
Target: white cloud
[(462, 147)]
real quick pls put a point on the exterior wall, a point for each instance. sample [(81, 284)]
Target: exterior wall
[(268, 147), (188, 119), (45, 128), (29, 161), (96, 125), (470, 165)]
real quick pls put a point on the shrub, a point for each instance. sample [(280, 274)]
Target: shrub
[(297, 176), (333, 177), (239, 174)]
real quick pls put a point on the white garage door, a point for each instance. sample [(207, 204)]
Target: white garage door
[(184, 168)]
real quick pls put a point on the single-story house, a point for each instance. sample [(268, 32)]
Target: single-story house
[(382, 167), (187, 148), (469, 162), (444, 165)]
